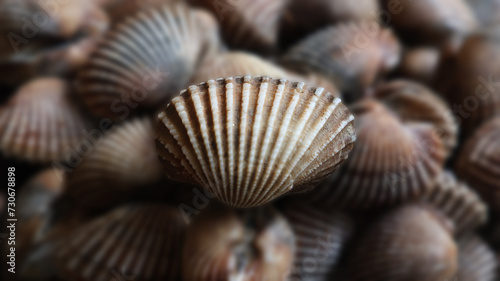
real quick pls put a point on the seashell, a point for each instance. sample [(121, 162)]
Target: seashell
[(233, 138), (321, 237), (435, 22), (236, 64), (248, 24), (225, 244), (119, 10), (352, 55), (458, 202), (40, 123), (304, 17), (143, 62), (119, 167), (476, 260), (393, 162), (420, 64), (409, 243), (479, 162), (487, 11), (413, 102), (142, 242)]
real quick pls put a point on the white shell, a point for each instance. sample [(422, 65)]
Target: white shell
[(249, 140)]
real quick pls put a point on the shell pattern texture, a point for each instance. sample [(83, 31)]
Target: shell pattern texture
[(477, 261), (234, 138)]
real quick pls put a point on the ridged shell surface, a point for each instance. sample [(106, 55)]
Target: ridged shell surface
[(476, 260), (392, 162), (40, 123), (249, 140), (143, 62), (119, 165), (479, 162), (141, 242), (458, 202), (321, 237), (407, 244)]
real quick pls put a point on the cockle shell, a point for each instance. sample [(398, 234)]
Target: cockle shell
[(458, 202), (420, 64), (142, 242), (119, 167), (119, 10), (249, 139), (352, 55), (408, 244), (392, 162), (40, 123), (226, 244), (248, 24), (487, 11), (479, 162), (143, 62), (415, 103), (476, 260), (321, 237)]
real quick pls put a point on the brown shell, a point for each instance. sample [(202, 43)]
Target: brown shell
[(431, 21), (321, 237), (248, 24), (143, 62), (420, 64), (233, 138), (476, 260), (392, 162), (479, 162), (119, 10), (413, 102), (224, 244), (408, 244), (352, 55), (119, 167), (141, 242), (40, 123), (458, 202)]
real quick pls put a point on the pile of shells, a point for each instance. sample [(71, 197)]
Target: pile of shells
[(250, 140)]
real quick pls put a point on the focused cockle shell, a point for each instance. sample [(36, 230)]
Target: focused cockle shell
[(120, 166), (225, 244), (479, 162), (476, 260), (352, 55), (321, 237), (41, 123), (413, 102), (392, 162), (142, 242), (411, 243), (249, 140), (248, 24), (143, 62), (458, 202)]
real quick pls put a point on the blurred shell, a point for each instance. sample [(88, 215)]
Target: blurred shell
[(352, 55), (435, 22), (487, 11), (117, 168), (408, 244), (420, 64), (321, 237), (413, 102), (248, 24), (119, 10), (236, 64), (40, 123), (233, 138), (143, 62), (458, 202), (391, 163), (306, 16), (476, 260), (479, 162), (252, 245), (133, 242)]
